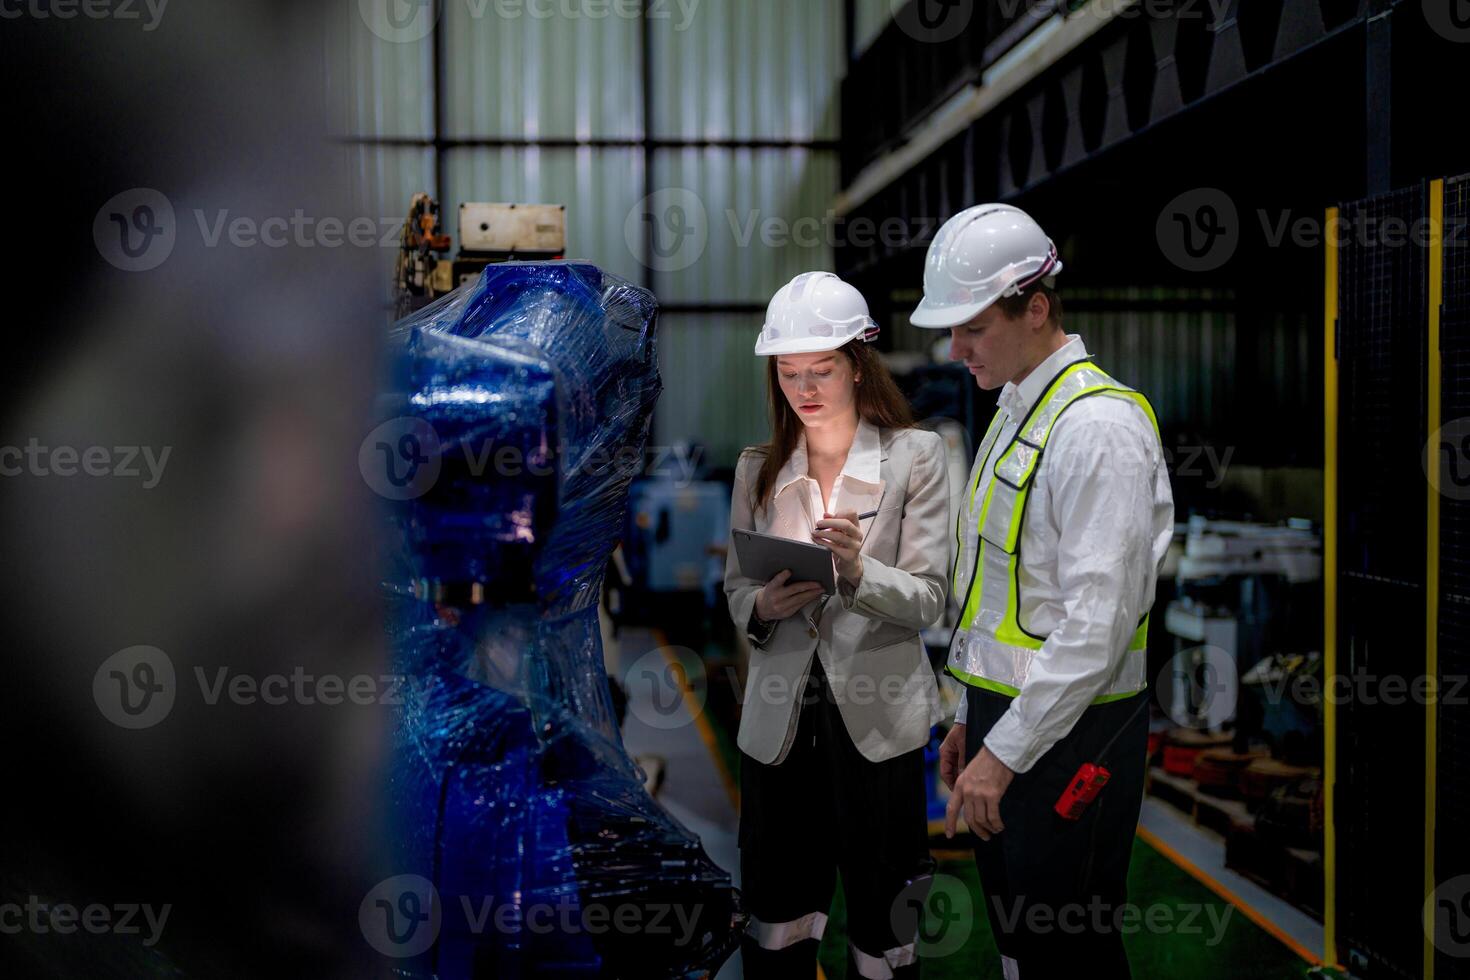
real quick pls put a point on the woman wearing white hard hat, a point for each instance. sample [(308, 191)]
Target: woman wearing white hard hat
[(839, 698)]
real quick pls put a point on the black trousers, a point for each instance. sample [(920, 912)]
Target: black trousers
[(1056, 890), (825, 808)]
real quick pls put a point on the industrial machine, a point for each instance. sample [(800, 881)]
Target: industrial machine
[(494, 232), (420, 274)]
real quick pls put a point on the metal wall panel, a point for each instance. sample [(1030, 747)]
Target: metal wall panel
[(766, 214), (513, 71), (378, 86), (600, 188), (1452, 848), (714, 386), (726, 70), (1381, 570), (383, 178), (747, 69)]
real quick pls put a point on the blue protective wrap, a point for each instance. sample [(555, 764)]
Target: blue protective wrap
[(521, 406)]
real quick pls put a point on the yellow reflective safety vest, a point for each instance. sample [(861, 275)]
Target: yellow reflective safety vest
[(991, 647)]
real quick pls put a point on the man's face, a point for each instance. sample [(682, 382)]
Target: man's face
[(992, 345)]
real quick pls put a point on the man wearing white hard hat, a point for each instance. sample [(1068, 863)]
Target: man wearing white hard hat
[(839, 698), (1063, 524)]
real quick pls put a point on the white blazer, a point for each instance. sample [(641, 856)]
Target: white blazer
[(868, 639)]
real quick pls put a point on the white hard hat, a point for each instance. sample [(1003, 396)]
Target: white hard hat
[(980, 255), (816, 311)]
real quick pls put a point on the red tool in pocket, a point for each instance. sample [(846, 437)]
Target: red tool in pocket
[(1091, 777), (1082, 790)]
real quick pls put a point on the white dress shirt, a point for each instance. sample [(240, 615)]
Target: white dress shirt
[(1099, 520)]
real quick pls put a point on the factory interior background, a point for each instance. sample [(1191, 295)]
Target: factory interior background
[(1261, 206)]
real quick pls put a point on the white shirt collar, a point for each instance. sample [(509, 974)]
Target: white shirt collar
[(1016, 399), (863, 464)]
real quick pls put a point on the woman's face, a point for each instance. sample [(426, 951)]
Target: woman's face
[(819, 387)]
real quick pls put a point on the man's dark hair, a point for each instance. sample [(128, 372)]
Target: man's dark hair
[(1015, 306)]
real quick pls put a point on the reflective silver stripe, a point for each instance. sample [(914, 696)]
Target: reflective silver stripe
[(968, 509), (1074, 384), (901, 955), (979, 654), (996, 582), (779, 935), (1009, 968), (882, 967)]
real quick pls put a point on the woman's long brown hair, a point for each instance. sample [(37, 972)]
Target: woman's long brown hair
[(878, 400)]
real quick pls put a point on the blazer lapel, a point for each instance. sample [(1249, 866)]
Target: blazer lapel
[(793, 517), (863, 487)]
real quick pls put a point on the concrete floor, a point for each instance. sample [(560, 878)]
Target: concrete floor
[(659, 722)]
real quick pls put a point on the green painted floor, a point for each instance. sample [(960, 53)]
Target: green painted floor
[(1218, 942), (1226, 945)]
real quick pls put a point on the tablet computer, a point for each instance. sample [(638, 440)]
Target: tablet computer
[(763, 556)]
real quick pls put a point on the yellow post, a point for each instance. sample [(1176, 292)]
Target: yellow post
[(1431, 572), (1329, 596)]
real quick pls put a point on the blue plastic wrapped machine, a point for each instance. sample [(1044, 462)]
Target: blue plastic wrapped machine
[(518, 397)]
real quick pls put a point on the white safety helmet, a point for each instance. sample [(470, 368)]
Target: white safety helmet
[(816, 311), (980, 255)]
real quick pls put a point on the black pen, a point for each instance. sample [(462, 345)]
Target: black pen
[(860, 517), (864, 517)]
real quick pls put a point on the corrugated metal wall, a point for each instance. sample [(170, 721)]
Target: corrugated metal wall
[(730, 71), (714, 388), (742, 70), (540, 77), (767, 214), (746, 69)]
